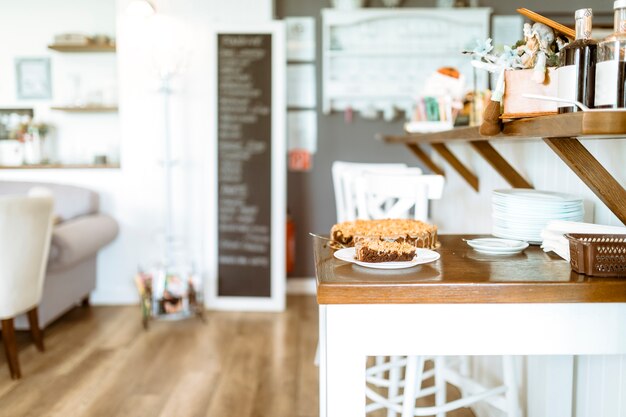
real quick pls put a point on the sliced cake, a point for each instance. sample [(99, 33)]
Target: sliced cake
[(376, 250)]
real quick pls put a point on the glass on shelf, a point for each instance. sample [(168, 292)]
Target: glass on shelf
[(577, 73), (611, 67)]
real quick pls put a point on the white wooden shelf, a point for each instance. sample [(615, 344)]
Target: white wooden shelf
[(62, 166), (390, 53), (86, 109), (82, 48), (370, 55)]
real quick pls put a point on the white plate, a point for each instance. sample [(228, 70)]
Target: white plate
[(539, 205), (535, 216), (495, 252), (422, 256), (536, 195), (539, 202), (533, 240), (516, 234), (528, 210), (498, 246)]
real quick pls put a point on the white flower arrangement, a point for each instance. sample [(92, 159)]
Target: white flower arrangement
[(538, 50)]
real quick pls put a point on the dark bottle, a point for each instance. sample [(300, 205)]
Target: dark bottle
[(577, 73), (611, 67)]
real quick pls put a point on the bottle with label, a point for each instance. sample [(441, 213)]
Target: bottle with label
[(611, 66), (577, 73)]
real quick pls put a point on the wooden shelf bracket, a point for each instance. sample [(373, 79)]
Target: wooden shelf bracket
[(592, 173), (425, 158), (502, 167), (561, 132), (445, 153)]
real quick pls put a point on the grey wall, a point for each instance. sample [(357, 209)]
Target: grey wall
[(310, 195)]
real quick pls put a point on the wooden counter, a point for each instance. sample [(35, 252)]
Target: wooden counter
[(463, 275), (465, 303)]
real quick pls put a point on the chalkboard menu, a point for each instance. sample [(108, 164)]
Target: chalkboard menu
[(244, 136)]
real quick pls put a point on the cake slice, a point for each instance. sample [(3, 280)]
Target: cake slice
[(376, 250)]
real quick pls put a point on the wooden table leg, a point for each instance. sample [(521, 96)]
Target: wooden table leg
[(85, 302), (10, 347), (35, 330), (342, 366), (592, 173), (321, 345), (500, 164)]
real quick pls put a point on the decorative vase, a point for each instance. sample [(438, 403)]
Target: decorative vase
[(11, 153), (32, 149)]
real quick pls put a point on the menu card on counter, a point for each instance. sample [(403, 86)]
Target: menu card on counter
[(250, 159)]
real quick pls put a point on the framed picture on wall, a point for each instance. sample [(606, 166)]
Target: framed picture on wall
[(33, 78)]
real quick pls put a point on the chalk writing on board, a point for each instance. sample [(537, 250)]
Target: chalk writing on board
[(244, 134)]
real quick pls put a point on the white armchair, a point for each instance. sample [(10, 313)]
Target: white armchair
[(26, 225)]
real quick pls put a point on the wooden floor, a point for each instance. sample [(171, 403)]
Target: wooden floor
[(100, 362)]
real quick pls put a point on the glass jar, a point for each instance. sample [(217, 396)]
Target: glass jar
[(611, 66)]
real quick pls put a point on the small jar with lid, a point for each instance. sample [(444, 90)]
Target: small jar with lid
[(611, 67), (577, 71)]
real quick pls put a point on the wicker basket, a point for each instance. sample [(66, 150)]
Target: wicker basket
[(598, 255)]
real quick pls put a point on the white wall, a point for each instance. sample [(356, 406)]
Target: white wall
[(133, 194), (27, 27)]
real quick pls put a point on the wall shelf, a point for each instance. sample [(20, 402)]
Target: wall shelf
[(560, 132), (86, 109), (81, 113), (63, 166), (82, 48)]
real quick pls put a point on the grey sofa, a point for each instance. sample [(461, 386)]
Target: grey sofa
[(80, 231)]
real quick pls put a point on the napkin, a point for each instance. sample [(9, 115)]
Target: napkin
[(555, 241)]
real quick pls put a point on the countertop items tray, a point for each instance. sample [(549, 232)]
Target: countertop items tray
[(598, 255)]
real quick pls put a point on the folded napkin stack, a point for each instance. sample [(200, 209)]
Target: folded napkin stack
[(554, 240)]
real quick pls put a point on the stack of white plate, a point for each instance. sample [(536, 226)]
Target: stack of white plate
[(522, 213)]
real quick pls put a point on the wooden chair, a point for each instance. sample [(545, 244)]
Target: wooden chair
[(503, 396), (26, 225), (396, 194), (344, 177)]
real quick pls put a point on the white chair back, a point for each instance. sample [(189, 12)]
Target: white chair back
[(26, 227), (381, 195), (344, 177)]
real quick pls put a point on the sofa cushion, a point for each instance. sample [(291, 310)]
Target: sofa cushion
[(78, 239), (69, 201)]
